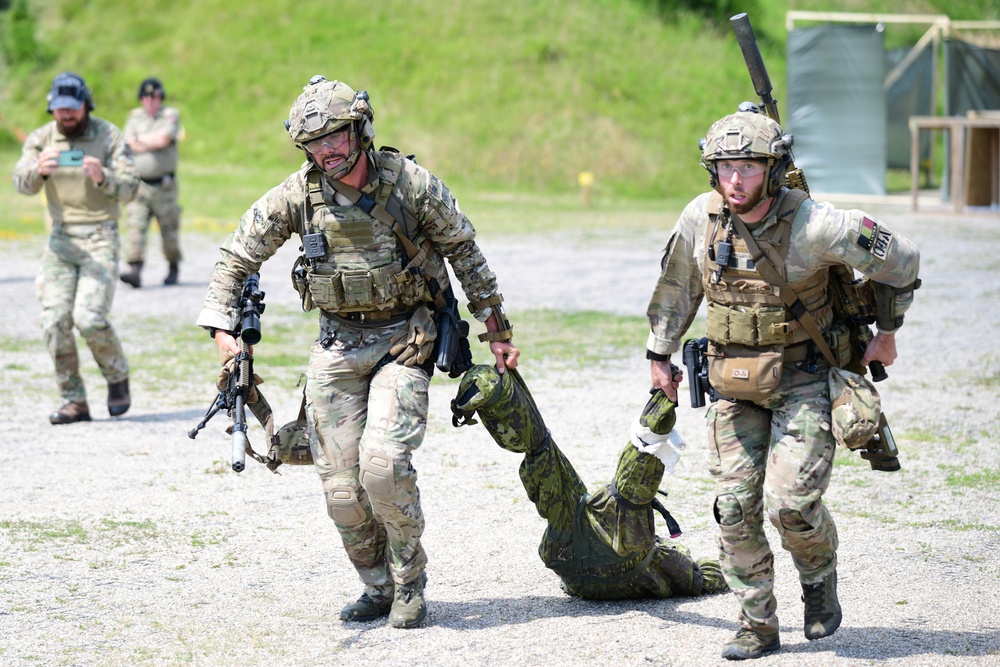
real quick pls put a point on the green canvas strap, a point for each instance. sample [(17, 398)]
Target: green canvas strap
[(791, 299)]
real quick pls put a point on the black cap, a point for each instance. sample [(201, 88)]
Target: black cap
[(151, 87), (69, 91)]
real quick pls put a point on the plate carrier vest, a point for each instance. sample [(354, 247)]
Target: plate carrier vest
[(363, 267), (743, 307)]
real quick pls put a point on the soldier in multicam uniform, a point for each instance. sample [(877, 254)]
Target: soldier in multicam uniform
[(78, 274), (153, 131), (604, 545), (770, 446), (369, 370)]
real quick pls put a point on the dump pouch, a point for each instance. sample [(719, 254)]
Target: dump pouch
[(742, 372), (855, 408)]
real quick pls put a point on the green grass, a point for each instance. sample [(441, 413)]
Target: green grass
[(106, 532), (986, 479), (37, 532), (518, 96), (579, 339)]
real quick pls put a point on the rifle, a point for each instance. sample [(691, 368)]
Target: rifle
[(234, 397), (849, 295)]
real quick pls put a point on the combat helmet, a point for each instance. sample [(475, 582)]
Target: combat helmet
[(748, 134), (325, 107)]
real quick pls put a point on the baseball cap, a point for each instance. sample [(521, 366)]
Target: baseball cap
[(69, 91)]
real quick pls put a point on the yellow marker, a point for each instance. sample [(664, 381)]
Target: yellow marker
[(586, 181)]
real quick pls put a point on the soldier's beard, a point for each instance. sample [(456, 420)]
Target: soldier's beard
[(752, 199), (75, 130)]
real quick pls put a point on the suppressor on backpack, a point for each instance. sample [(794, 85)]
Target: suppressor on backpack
[(755, 63)]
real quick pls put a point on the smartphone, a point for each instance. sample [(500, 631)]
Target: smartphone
[(71, 158)]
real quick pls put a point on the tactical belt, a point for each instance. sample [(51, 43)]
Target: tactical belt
[(372, 318), (158, 180)]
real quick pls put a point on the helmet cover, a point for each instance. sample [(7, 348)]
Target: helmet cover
[(325, 107), (748, 135)]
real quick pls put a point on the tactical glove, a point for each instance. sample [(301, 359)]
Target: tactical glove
[(228, 369), (414, 343)]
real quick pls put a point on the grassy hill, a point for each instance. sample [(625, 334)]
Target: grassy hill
[(519, 95)]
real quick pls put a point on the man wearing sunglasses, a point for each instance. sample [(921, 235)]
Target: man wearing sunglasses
[(153, 131), (770, 440)]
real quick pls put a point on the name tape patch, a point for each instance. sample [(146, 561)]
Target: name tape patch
[(882, 242)]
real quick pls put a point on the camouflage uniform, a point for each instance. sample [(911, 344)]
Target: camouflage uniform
[(603, 546), (366, 416), (158, 191), (78, 271), (774, 455)]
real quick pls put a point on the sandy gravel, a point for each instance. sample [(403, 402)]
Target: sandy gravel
[(126, 543)]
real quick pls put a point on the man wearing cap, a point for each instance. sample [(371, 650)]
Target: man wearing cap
[(86, 169), (152, 131)]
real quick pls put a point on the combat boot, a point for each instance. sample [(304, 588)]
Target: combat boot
[(748, 644), (367, 607), (118, 398), (171, 278), (71, 412), (408, 607), (822, 616), (131, 276)]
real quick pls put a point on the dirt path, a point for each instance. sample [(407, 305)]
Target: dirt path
[(126, 543)]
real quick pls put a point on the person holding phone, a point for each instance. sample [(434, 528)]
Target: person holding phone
[(86, 169)]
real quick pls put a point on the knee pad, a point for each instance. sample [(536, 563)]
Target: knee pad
[(727, 510), (54, 323), (343, 506), (378, 475), (89, 324), (792, 520)]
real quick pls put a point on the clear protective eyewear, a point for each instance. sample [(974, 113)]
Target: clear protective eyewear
[(328, 142), (745, 168)]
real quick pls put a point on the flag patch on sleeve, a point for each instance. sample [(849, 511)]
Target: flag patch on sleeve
[(867, 233)]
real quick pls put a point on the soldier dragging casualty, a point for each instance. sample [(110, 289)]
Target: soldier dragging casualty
[(376, 230)]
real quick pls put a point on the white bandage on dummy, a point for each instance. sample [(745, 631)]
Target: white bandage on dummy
[(667, 447)]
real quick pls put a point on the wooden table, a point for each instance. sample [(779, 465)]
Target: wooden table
[(958, 164)]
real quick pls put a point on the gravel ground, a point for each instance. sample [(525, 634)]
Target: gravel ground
[(128, 543)]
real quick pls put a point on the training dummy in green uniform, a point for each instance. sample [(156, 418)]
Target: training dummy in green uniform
[(602, 545)]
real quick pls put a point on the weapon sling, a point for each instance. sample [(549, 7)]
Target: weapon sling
[(791, 299)]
